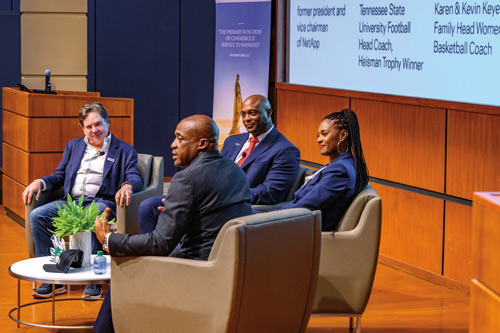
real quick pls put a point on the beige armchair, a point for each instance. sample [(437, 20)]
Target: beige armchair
[(298, 183), (127, 219), (260, 277), (349, 259)]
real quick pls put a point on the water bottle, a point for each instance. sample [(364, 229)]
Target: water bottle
[(100, 263)]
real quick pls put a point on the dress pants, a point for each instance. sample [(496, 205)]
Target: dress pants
[(148, 213), (104, 321)]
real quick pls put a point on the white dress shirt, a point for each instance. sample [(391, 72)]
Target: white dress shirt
[(88, 179)]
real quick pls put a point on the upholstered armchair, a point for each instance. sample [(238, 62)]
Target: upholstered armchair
[(349, 259), (260, 277), (127, 219)]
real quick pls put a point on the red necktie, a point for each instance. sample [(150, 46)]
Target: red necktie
[(253, 142)]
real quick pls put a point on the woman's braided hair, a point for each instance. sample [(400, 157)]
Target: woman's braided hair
[(347, 119)]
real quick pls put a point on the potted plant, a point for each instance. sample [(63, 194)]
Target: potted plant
[(77, 222)]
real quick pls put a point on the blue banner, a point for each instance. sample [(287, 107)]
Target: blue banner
[(242, 41)]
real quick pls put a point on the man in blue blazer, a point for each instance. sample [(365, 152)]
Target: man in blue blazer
[(271, 165), (98, 166)]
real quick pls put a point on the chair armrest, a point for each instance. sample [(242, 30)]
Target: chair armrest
[(269, 208), (45, 197), (127, 217)]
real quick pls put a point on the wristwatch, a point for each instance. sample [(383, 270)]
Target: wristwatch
[(105, 245)]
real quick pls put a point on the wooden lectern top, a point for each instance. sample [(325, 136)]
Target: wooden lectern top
[(62, 104)]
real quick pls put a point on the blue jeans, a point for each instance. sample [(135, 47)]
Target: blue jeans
[(148, 213), (41, 222)]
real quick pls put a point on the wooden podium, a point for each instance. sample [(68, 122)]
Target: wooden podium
[(485, 287), (35, 130)]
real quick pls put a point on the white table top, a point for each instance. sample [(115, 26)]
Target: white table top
[(32, 270)]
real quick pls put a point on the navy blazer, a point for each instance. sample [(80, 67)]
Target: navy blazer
[(330, 190), (271, 168), (201, 199), (120, 167)]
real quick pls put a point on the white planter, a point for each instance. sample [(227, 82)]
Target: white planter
[(82, 241)]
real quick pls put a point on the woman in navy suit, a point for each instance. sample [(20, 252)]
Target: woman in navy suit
[(333, 187)]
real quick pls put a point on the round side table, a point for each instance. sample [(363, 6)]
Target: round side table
[(32, 270)]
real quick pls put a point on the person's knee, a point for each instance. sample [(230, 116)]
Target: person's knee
[(36, 218), (150, 205)]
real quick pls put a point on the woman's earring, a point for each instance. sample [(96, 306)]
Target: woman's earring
[(346, 147)]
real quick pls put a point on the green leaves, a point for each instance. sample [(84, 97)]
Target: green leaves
[(73, 218)]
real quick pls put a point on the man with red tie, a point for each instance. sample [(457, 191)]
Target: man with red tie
[(269, 160)]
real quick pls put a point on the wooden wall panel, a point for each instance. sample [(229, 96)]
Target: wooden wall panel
[(299, 117), (12, 195), (473, 159), (458, 242), (412, 228), (403, 143)]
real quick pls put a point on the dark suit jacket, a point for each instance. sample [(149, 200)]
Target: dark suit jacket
[(120, 167), (331, 191), (271, 168), (201, 199)]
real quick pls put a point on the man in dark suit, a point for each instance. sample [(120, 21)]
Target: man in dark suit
[(97, 166), (210, 191), (271, 162)]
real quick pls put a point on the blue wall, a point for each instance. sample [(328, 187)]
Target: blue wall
[(9, 5), (10, 42), (161, 54)]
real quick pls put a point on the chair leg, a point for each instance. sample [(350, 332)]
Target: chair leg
[(358, 324)]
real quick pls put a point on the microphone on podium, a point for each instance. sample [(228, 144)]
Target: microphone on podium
[(48, 85)]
